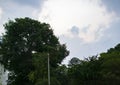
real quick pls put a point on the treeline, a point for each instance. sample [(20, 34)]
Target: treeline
[(24, 50), (102, 70)]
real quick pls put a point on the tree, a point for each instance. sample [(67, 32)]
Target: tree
[(84, 72), (111, 64), (74, 61), (24, 44), (61, 73)]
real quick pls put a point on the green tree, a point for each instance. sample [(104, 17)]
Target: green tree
[(74, 61), (75, 71), (61, 73), (111, 64), (86, 72), (24, 49)]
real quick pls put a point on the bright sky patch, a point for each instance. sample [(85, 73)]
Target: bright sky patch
[(90, 14)]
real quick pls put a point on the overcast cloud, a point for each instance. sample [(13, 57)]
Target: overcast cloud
[(33, 3), (0, 13), (64, 14)]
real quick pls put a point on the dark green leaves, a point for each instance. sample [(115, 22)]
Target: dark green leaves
[(24, 50)]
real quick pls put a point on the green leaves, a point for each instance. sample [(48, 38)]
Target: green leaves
[(110, 63), (24, 50), (103, 70)]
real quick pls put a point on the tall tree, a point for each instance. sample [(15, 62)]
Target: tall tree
[(111, 64), (24, 44)]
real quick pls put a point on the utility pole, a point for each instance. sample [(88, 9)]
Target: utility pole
[(48, 70)]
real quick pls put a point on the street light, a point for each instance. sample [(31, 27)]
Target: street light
[(48, 70)]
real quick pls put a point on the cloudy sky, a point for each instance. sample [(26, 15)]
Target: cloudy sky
[(88, 27)]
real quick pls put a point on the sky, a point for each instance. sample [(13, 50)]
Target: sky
[(87, 27)]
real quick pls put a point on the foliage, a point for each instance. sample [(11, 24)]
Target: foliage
[(24, 49), (61, 74), (103, 70), (86, 70), (110, 63), (74, 61)]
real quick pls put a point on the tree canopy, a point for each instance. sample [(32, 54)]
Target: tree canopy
[(102, 70), (24, 49)]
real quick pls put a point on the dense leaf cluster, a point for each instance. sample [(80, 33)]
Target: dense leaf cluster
[(24, 49), (102, 70)]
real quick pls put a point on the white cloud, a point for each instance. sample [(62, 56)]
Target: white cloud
[(1, 27), (62, 15), (0, 13)]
